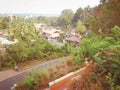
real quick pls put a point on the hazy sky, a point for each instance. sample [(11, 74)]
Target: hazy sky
[(43, 6)]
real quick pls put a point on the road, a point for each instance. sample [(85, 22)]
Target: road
[(8, 83)]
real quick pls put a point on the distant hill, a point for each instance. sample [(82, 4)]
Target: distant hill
[(28, 14)]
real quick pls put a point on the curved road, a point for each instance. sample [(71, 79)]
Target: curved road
[(8, 83)]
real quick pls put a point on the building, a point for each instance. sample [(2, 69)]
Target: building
[(73, 39), (51, 33)]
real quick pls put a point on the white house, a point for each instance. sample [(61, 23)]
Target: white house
[(4, 41)]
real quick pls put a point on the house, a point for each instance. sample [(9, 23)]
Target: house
[(51, 33), (4, 41), (7, 42), (73, 39)]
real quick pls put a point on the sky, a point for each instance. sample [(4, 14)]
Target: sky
[(43, 6)]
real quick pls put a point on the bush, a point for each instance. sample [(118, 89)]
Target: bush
[(106, 52), (28, 81), (42, 79), (23, 51), (27, 84)]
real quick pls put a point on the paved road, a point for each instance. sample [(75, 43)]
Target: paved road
[(6, 84)]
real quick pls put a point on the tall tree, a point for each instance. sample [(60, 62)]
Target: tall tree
[(22, 29), (65, 18), (103, 1), (82, 14), (78, 15), (106, 16), (1, 23), (5, 22)]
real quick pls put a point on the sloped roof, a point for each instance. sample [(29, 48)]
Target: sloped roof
[(51, 31), (73, 39)]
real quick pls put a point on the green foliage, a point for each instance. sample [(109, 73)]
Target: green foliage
[(29, 80), (68, 48), (82, 14), (18, 52), (63, 19), (27, 84), (109, 39), (67, 30), (90, 46), (39, 49), (80, 27), (110, 81), (105, 17), (47, 20), (116, 33), (5, 22), (42, 79), (29, 46), (38, 79), (106, 52), (78, 15), (1, 27)]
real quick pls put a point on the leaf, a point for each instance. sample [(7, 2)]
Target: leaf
[(114, 65)]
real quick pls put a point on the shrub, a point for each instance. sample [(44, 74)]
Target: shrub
[(28, 81), (106, 52), (27, 84)]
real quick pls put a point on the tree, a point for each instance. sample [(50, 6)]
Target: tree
[(65, 18), (22, 29), (80, 27), (5, 22), (103, 1), (106, 16), (1, 23), (81, 14), (78, 15), (41, 19)]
